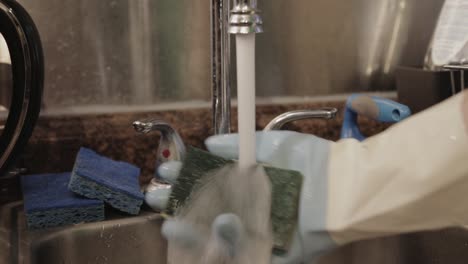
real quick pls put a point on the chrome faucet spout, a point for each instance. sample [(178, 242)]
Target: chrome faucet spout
[(279, 121), (153, 125), (245, 18)]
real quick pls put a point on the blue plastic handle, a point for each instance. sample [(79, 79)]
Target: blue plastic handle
[(374, 107)]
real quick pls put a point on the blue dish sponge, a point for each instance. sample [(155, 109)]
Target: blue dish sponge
[(49, 203), (113, 182)]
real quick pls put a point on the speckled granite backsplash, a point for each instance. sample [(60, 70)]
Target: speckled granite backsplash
[(57, 139)]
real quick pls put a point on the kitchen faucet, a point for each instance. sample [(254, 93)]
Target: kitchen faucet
[(244, 18)]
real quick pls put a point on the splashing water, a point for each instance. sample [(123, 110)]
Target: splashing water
[(243, 192)]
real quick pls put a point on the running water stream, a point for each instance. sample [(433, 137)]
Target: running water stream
[(245, 45), (237, 198)]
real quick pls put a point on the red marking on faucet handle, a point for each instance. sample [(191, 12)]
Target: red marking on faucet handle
[(166, 153)]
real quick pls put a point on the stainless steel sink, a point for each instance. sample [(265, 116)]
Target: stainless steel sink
[(121, 239), (137, 239)]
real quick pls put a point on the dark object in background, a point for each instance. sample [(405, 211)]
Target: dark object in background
[(6, 84), (420, 89), (27, 73)]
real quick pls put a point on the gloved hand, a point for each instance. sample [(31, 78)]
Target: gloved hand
[(307, 154), (408, 178)]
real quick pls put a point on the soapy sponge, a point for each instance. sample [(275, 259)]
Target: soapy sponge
[(49, 203), (113, 182), (285, 187)]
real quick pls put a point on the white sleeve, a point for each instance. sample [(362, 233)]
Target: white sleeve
[(413, 176)]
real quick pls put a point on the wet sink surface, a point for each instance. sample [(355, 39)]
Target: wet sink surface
[(123, 239)]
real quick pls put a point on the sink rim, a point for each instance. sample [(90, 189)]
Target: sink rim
[(18, 243)]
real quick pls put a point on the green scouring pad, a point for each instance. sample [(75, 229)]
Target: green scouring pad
[(285, 184)]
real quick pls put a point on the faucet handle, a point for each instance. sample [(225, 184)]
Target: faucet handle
[(278, 122), (170, 148)]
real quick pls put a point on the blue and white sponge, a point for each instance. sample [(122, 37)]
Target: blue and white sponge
[(113, 182), (49, 203)]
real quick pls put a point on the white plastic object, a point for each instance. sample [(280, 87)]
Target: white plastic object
[(450, 41), (4, 53)]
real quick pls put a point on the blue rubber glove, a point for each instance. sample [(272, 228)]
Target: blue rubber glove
[(282, 149)]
